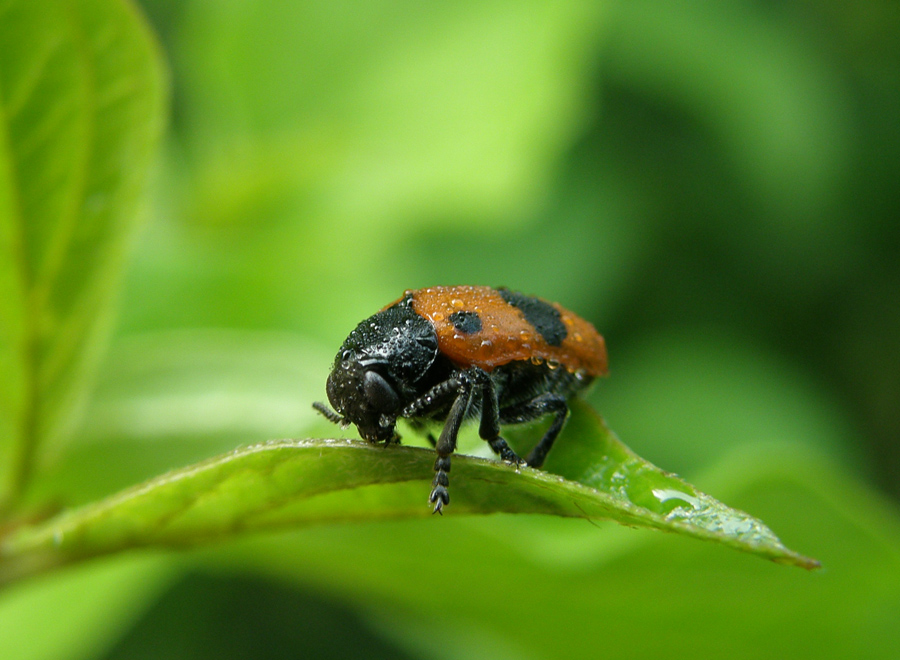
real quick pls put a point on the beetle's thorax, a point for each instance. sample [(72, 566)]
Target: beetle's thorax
[(377, 368)]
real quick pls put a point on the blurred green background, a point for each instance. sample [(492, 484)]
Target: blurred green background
[(713, 185)]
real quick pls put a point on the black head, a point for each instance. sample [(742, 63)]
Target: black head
[(378, 368)]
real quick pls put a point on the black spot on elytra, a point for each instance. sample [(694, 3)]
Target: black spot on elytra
[(543, 316), (466, 322)]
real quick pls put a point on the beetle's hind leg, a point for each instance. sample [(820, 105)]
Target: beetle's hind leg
[(544, 404)]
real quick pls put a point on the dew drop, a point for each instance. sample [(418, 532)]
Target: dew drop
[(665, 494)]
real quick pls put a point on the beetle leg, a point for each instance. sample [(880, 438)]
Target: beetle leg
[(489, 429), (545, 404), (433, 399), (459, 388), (446, 444), (464, 387)]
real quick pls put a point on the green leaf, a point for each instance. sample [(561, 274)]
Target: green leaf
[(117, 591), (300, 482), (657, 595), (492, 93), (81, 93), (773, 103)]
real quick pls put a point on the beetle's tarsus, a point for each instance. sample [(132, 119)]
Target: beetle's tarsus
[(439, 497), (441, 482), (505, 452)]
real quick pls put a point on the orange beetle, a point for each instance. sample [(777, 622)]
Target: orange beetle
[(458, 352)]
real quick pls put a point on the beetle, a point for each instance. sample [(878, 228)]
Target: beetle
[(452, 353)]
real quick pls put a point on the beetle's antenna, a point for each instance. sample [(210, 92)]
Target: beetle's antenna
[(329, 414)]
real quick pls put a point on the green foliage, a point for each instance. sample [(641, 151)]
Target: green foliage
[(80, 85), (288, 483), (710, 184)]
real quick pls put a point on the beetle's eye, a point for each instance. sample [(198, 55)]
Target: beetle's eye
[(378, 393)]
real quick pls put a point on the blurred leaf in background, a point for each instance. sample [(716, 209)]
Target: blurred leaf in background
[(81, 92), (713, 185)]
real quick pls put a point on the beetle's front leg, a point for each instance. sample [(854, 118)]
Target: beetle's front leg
[(446, 444), (461, 388)]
